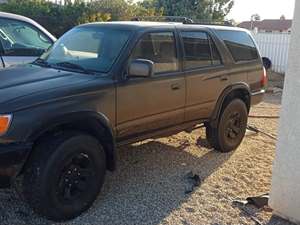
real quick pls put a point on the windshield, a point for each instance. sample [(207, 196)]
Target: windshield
[(87, 48)]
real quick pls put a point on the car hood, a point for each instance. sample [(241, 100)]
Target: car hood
[(27, 80)]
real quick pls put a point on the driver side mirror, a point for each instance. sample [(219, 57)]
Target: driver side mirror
[(141, 68)]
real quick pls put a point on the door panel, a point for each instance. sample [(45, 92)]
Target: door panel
[(145, 104), (206, 77), (203, 89)]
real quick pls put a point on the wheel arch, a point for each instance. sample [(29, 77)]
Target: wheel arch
[(95, 124), (238, 90)]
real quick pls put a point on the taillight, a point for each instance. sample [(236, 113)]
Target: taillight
[(264, 79)]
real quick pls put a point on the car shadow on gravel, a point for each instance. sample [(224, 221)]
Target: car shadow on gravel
[(147, 186)]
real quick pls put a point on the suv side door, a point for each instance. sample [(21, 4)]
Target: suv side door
[(205, 72), (148, 104), (21, 42)]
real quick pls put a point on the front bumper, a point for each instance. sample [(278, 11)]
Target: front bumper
[(12, 159), (257, 97)]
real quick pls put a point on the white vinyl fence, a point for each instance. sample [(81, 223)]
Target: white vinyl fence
[(275, 47)]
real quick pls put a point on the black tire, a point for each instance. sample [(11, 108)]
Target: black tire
[(64, 176), (231, 128)]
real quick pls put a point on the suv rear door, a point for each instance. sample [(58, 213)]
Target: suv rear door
[(205, 72), (148, 104), (247, 64), (21, 41)]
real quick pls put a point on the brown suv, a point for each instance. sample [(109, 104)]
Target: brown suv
[(103, 85)]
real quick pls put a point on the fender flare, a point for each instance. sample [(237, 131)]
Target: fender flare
[(101, 126), (226, 92)]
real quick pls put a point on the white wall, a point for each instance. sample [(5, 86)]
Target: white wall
[(274, 46), (285, 193)]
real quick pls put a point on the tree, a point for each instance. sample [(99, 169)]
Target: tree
[(124, 10), (204, 10)]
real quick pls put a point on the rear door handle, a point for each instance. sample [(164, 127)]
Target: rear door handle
[(175, 87), (223, 78)]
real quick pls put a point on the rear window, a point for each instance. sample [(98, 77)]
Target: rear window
[(240, 44)]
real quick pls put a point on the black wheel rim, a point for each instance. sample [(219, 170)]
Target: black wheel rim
[(233, 128), (75, 179)]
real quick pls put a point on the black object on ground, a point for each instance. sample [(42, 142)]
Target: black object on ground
[(260, 201), (194, 180)]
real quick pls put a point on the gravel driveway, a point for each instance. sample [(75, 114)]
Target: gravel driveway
[(150, 183)]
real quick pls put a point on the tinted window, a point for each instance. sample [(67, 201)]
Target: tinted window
[(21, 39), (239, 44), (159, 48), (199, 50), (94, 49), (196, 50)]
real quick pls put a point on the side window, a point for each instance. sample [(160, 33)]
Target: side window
[(159, 48), (240, 44), (199, 50), (21, 39), (196, 50)]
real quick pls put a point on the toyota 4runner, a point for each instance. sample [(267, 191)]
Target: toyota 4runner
[(103, 85)]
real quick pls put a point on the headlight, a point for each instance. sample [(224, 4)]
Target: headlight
[(5, 121)]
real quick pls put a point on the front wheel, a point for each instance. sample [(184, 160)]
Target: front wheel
[(231, 128), (65, 175)]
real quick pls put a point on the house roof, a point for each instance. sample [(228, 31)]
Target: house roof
[(272, 25)]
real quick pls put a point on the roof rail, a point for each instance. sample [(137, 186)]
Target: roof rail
[(181, 19), (209, 22)]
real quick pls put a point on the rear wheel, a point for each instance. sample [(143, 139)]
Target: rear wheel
[(231, 128), (65, 176)]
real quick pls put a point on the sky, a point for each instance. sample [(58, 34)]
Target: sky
[(267, 9)]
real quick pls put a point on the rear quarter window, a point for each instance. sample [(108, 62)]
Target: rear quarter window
[(240, 45)]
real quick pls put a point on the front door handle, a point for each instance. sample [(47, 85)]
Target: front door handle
[(175, 87)]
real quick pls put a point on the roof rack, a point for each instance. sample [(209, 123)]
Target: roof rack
[(209, 22), (181, 19)]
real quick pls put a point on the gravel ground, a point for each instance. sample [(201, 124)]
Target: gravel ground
[(150, 183)]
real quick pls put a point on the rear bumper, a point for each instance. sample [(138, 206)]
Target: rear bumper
[(257, 97), (12, 159)]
